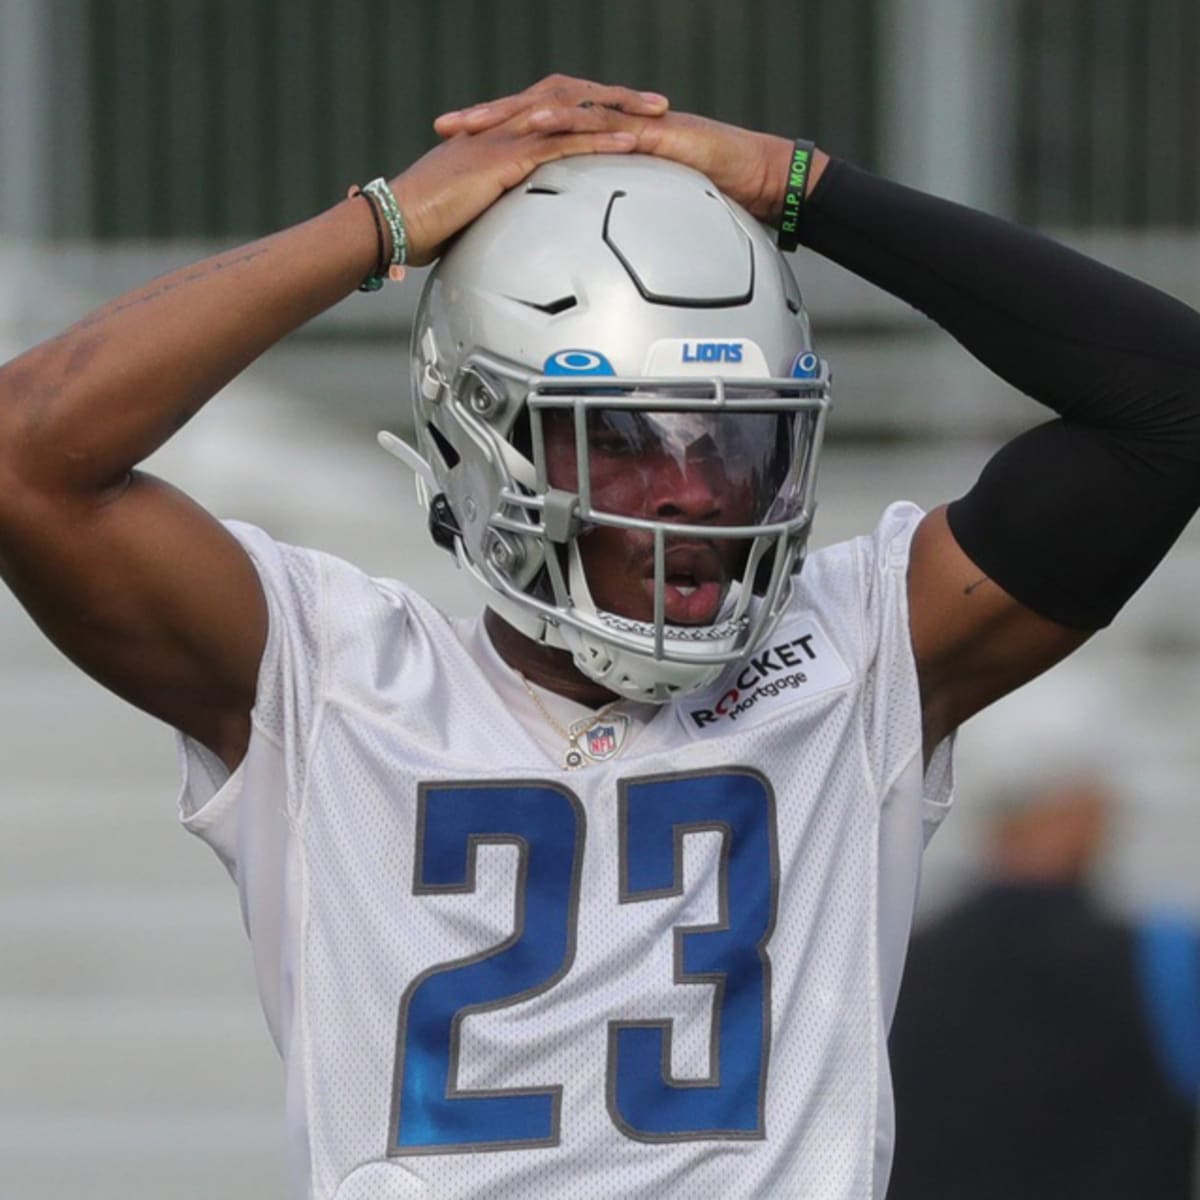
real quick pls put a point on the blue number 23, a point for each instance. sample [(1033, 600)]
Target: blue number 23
[(545, 822)]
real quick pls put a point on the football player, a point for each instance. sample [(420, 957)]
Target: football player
[(607, 892)]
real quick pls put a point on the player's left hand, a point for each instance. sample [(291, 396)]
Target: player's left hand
[(750, 167)]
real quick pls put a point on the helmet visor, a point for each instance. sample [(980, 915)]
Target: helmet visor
[(736, 468), (706, 468)]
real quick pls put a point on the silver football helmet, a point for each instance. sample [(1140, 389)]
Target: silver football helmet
[(615, 346)]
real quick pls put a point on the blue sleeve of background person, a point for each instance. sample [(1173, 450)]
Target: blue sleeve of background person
[(1168, 962)]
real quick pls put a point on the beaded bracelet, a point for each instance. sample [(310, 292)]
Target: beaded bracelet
[(793, 200), (378, 188), (384, 210)]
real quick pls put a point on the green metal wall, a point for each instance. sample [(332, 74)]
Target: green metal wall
[(1108, 112), (219, 117)]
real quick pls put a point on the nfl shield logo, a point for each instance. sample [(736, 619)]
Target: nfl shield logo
[(604, 739)]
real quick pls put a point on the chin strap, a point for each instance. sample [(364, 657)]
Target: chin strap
[(399, 448), (443, 528)]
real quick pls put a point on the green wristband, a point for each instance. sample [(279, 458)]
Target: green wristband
[(793, 199)]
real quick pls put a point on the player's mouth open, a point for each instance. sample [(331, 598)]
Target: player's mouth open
[(690, 602), (694, 586)]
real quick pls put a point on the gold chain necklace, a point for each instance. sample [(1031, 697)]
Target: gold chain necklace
[(588, 739)]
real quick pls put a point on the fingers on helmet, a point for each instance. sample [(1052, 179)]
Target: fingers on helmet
[(585, 117), (614, 141), (553, 92), (568, 90)]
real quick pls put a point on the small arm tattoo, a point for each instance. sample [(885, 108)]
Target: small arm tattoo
[(203, 271)]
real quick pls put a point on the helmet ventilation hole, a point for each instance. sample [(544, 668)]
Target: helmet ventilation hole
[(450, 456), (551, 307)]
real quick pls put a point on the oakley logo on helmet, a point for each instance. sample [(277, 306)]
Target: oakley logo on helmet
[(577, 362), (806, 366)]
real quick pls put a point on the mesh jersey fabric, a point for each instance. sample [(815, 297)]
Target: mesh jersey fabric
[(669, 974)]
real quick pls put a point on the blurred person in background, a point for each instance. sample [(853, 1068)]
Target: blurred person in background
[(608, 891), (1044, 1048)]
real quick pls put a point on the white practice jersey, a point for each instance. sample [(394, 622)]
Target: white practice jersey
[(667, 974)]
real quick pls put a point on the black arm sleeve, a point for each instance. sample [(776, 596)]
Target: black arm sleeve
[(1070, 517)]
